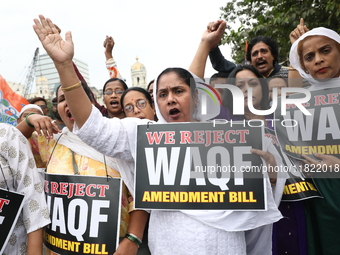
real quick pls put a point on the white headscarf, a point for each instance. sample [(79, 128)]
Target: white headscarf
[(30, 106), (295, 60)]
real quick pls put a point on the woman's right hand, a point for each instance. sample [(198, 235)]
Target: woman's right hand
[(59, 50), (298, 31), (44, 125)]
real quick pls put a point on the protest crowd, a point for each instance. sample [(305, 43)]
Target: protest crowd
[(82, 172)]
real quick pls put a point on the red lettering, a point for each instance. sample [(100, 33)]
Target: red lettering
[(320, 99), (3, 202), (288, 106), (242, 135), (102, 189), (70, 191), (88, 190), (227, 138), (54, 188), (218, 136), (198, 137), (80, 189), (207, 139), (333, 98), (185, 137), (63, 186), (169, 137), (155, 137)]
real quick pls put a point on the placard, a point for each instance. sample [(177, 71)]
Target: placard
[(85, 214), (199, 165), (11, 204)]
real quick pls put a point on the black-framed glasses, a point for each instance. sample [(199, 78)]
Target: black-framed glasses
[(140, 104), (109, 92)]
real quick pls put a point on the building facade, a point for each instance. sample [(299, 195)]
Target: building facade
[(45, 70), (138, 75)]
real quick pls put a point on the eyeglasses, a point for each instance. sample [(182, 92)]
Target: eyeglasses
[(43, 106), (140, 104), (109, 92)]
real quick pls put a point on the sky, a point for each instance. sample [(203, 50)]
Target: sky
[(160, 33)]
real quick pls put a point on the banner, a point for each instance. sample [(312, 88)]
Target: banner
[(11, 103), (315, 133), (296, 187), (11, 204), (85, 214), (200, 166)]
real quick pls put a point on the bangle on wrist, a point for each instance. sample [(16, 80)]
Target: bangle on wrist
[(75, 86), (133, 238), (26, 120)]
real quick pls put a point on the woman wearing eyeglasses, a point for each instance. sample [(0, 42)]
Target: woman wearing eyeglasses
[(112, 91), (137, 102)]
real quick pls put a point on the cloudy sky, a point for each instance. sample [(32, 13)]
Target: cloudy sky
[(161, 33)]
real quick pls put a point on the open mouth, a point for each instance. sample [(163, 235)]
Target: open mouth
[(69, 115), (174, 113), (261, 63), (114, 103)]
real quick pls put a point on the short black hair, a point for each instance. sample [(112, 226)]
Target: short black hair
[(37, 99), (115, 79), (267, 40)]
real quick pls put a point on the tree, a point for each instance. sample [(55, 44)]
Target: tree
[(275, 19)]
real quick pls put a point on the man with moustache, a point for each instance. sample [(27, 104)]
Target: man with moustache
[(262, 53)]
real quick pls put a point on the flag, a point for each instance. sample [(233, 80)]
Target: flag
[(10, 103)]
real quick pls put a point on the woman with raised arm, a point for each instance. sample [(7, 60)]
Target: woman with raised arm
[(66, 149), (171, 232), (316, 56)]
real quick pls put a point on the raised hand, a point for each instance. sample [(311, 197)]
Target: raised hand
[(59, 50), (109, 43), (213, 35), (298, 31)]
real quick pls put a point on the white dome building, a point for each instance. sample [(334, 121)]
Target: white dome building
[(138, 75)]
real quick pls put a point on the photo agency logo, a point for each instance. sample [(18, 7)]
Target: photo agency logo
[(240, 98)]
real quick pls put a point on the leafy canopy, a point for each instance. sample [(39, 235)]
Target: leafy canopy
[(275, 19)]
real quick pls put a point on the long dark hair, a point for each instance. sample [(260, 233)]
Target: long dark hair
[(227, 96)]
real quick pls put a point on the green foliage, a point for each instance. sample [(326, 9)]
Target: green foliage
[(276, 19)]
